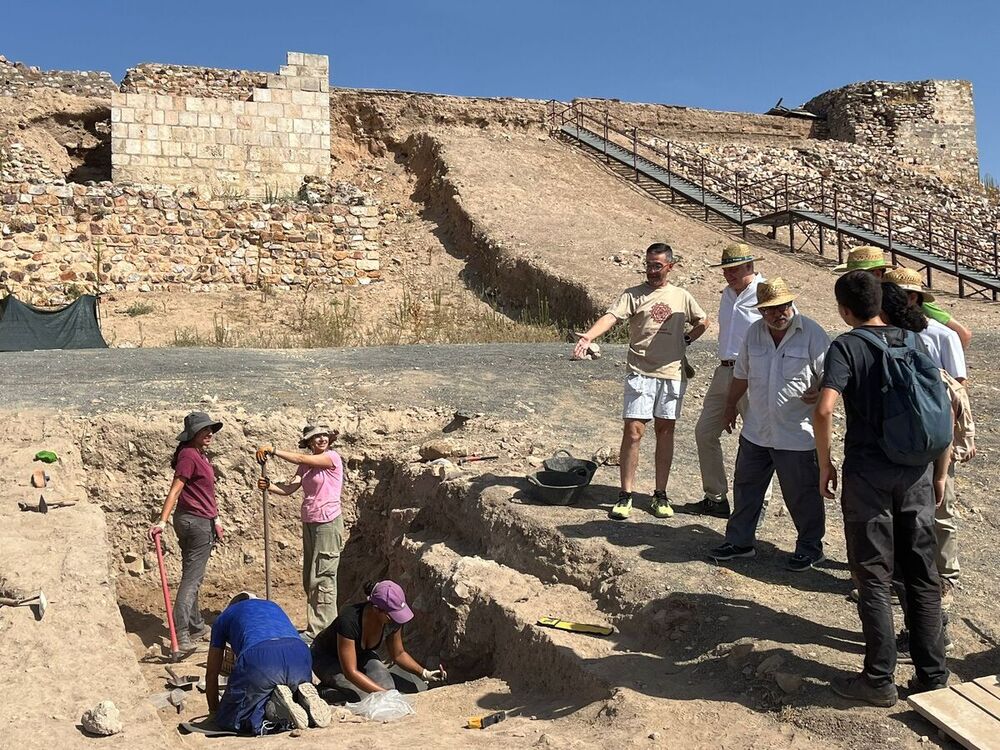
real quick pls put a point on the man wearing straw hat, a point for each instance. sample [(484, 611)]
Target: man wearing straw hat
[(778, 368), (659, 315), (737, 312), (869, 258)]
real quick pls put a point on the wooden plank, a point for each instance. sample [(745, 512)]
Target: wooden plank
[(962, 720), (981, 697), (990, 684)]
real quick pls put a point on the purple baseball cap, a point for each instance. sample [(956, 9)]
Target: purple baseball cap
[(389, 597)]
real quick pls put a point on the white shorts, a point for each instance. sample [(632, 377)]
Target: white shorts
[(647, 397)]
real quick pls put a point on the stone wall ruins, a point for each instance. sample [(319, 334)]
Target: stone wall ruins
[(930, 123), (55, 237), (16, 77), (264, 145)]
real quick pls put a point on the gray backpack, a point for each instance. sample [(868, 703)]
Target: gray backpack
[(917, 420)]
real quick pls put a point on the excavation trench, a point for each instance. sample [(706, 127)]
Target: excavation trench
[(402, 523)]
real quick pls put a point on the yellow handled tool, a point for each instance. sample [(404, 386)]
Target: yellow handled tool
[(481, 722), (574, 627)]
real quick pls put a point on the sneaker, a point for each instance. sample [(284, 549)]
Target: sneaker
[(186, 645), (623, 507), (317, 708), (282, 709), (660, 505), (798, 563), (708, 506), (857, 688), (729, 551)]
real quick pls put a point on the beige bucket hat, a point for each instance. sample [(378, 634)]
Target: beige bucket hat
[(311, 431), (773, 293), (908, 279), (735, 255)]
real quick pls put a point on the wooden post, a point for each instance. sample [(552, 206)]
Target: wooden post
[(635, 152), (791, 233), (840, 247), (606, 159), (703, 203)]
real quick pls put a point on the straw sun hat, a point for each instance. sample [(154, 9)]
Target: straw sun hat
[(908, 279), (773, 293), (863, 258), (735, 255)]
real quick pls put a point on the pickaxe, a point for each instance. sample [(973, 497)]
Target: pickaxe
[(43, 506), (38, 604)]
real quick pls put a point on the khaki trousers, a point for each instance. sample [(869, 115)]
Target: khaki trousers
[(708, 431), (322, 544), (945, 529)]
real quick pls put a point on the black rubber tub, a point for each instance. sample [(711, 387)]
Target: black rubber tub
[(556, 487)]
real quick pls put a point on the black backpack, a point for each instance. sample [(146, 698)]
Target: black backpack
[(917, 420)]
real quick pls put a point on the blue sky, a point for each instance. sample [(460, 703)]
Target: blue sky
[(734, 56)]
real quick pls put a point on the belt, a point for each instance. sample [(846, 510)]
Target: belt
[(727, 362)]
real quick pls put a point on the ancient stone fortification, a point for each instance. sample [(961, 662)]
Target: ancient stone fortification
[(930, 123), (16, 77), (55, 237), (226, 142)]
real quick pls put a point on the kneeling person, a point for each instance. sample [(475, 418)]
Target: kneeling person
[(270, 687), (779, 368)]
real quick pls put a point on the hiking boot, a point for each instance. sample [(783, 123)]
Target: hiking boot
[(947, 593), (623, 507), (916, 685), (857, 688), (729, 551), (282, 709), (708, 506), (903, 655), (798, 563), (660, 505), (317, 708), (186, 645)]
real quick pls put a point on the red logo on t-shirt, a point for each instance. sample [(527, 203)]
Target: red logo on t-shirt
[(661, 312)]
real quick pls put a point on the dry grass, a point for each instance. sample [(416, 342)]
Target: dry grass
[(441, 316)]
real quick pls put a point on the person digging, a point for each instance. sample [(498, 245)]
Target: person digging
[(320, 475), (270, 686), (659, 315)]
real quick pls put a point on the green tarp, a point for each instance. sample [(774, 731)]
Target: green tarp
[(25, 327)]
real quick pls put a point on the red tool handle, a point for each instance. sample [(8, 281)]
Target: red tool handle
[(174, 648)]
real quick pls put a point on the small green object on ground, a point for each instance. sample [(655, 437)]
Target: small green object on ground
[(47, 456)]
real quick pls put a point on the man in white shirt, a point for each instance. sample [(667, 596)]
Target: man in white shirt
[(778, 369), (737, 312)]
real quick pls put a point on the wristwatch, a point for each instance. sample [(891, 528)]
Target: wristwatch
[(687, 339)]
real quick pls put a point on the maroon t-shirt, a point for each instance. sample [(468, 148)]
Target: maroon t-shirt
[(198, 495)]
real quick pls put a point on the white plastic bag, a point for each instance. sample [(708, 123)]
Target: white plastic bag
[(384, 706)]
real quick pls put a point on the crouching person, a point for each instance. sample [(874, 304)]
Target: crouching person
[(346, 655), (270, 686)]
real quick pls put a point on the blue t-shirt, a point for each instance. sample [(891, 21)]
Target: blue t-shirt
[(247, 623)]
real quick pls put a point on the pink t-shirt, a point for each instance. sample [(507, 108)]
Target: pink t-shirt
[(322, 490), (198, 495)]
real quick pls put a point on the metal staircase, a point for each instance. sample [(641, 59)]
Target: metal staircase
[(818, 207)]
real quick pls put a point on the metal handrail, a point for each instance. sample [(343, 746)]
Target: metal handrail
[(866, 209)]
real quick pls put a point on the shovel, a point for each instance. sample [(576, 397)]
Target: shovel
[(175, 651), (38, 604), (267, 534)]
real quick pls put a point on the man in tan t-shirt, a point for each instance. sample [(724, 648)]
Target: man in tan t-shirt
[(658, 314)]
